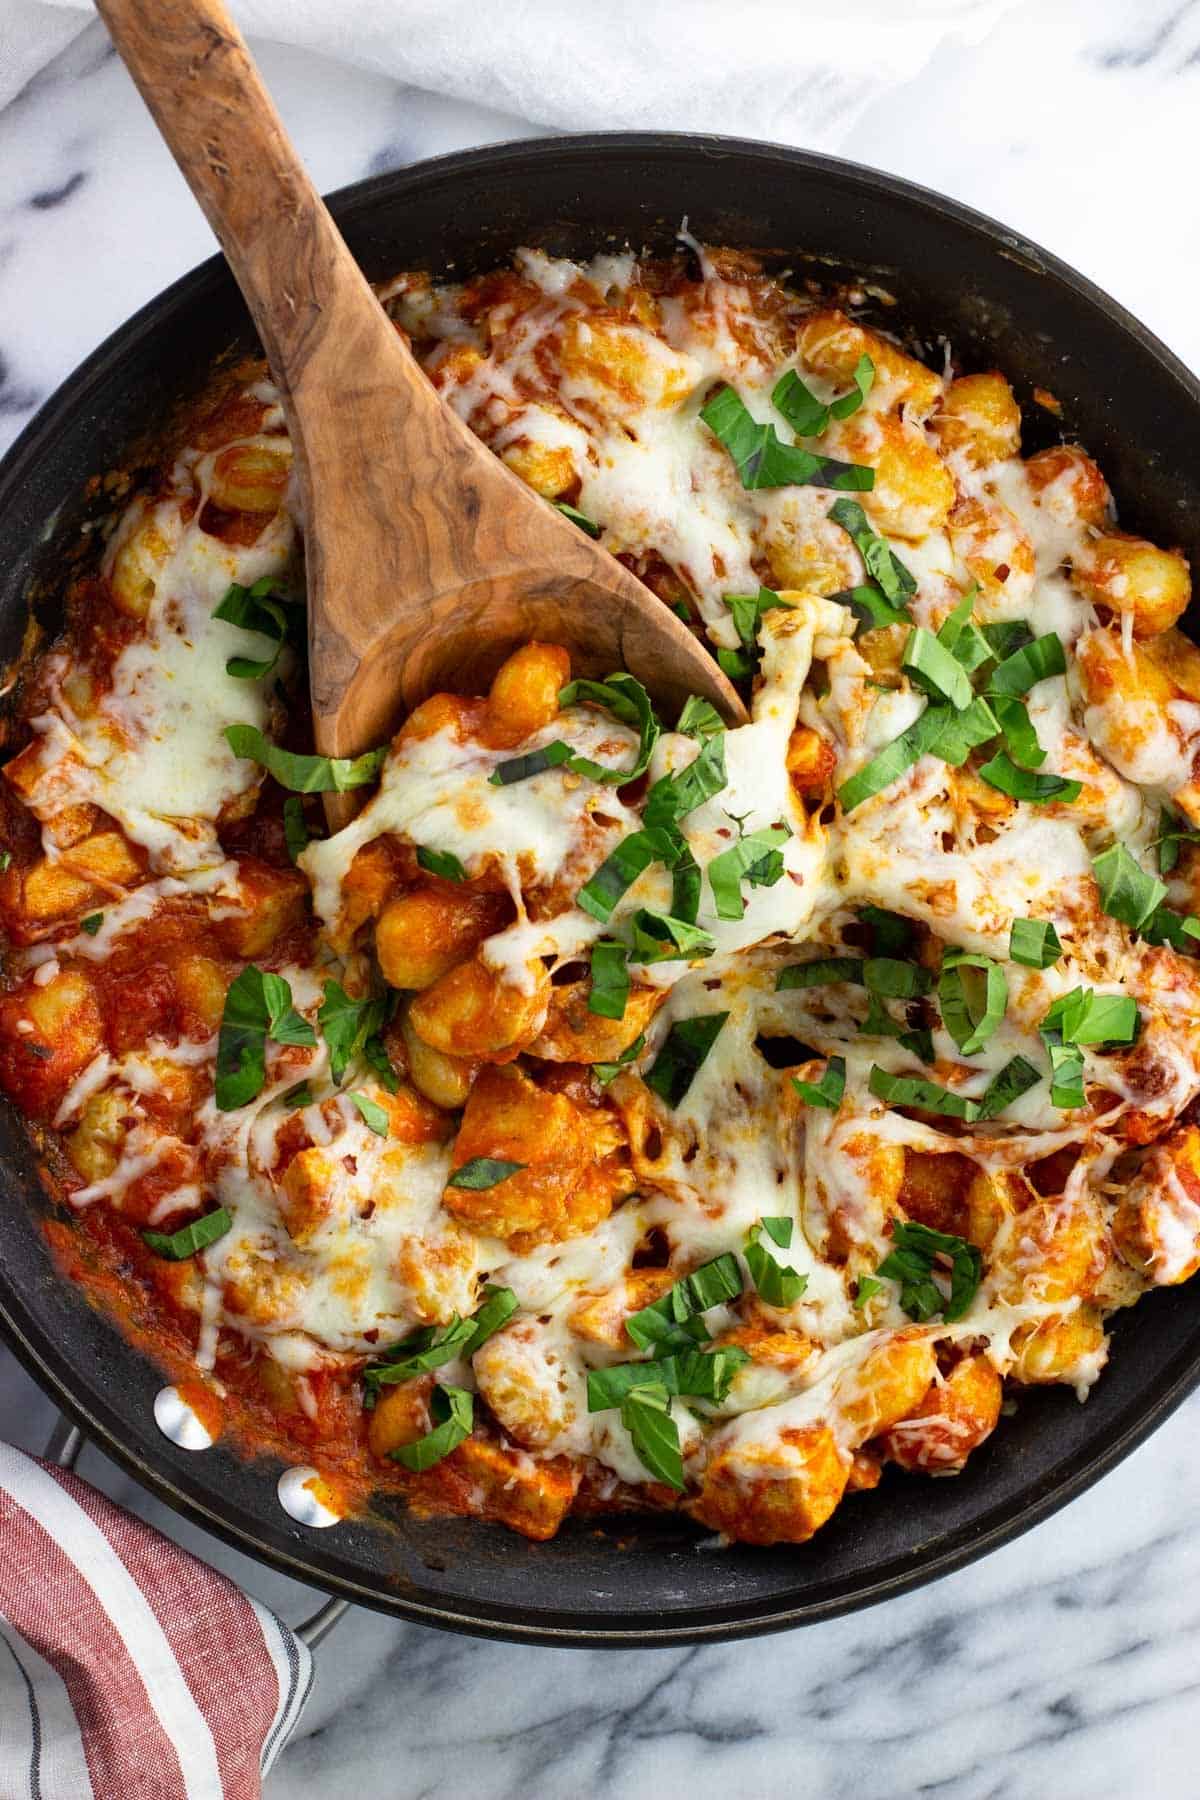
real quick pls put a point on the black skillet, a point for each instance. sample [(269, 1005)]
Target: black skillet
[(999, 301)]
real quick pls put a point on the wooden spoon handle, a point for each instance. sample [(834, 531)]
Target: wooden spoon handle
[(196, 75)]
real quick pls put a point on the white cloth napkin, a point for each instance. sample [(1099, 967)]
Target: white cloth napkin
[(796, 71)]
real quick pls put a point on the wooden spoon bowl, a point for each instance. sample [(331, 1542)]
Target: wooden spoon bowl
[(428, 560)]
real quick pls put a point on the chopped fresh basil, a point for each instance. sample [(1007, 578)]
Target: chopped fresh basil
[(959, 634), (373, 1115), (1012, 716), (304, 774), (776, 1285), (892, 979), (763, 460), (808, 416), (1016, 1077), (747, 611), (577, 518), (258, 1006), (1083, 1017), (864, 1288), (684, 1049), (626, 699), (1172, 833), (755, 858), (347, 1024), (884, 568), (934, 669), (176, 1246), (440, 862), (973, 996), (300, 1095), (609, 992), (673, 1320), (674, 796), (1180, 931), (266, 614), (453, 1412), (1006, 637), (296, 834), (418, 1354), (871, 608), (699, 1374), (534, 762), (621, 868), (374, 1054), (5, 860), (646, 1416), (92, 923), (1066, 1075), (939, 731), (483, 1172), (916, 1251), (913, 1090), (1023, 784), (1127, 893), (499, 1305), (1024, 668), (891, 933), (820, 972), (660, 937), (1035, 943), (699, 719), (606, 1072), (686, 883)]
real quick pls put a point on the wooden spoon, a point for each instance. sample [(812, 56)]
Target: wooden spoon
[(428, 560)]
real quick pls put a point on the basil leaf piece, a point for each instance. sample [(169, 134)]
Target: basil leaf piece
[(1066, 1075), (932, 667), (916, 1251), (870, 608), (1166, 926), (776, 1285), (685, 884), (894, 760), (1085, 1017), (499, 1305), (959, 733), (1035, 943), (699, 719), (1012, 716), (621, 868), (176, 1246), (684, 1049), (959, 634), (453, 1412), (92, 923), (918, 1043), (747, 611), (701, 1374), (674, 796), (373, 1115), (911, 1090), (606, 1072), (5, 860), (626, 699), (1016, 1077), (610, 979), (418, 1354), (300, 1095), (296, 834), (973, 997), (346, 1025), (744, 861), (892, 979), (885, 568), (577, 518), (1007, 636), (1035, 661), (891, 932), (534, 762), (646, 1416), (820, 972), (374, 1054), (879, 1021), (779, 1229), (808, 416), (258, 1005), (659, 937), (1172, 835), (1022, 784), (674, 1318), (268, 615), (763, 460), (304, 774), (483, 1172), (440, 862), (1127, 893), (864, 1288)]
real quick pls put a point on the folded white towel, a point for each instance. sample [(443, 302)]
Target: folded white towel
[(797, 71)]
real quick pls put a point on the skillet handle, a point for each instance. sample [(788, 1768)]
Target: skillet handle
[(195, 73)]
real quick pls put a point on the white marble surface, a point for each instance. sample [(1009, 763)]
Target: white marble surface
[(1066, 1664)]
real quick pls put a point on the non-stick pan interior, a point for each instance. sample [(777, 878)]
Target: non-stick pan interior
[(956, 277)]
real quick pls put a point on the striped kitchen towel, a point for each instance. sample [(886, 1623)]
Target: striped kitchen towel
[(128, 1669)]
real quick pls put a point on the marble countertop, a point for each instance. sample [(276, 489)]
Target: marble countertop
[(1067, 1663)]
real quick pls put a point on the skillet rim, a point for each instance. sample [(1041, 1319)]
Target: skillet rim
[(50, 1367)]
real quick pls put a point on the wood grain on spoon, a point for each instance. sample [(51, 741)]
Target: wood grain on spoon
[(428, 560)]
